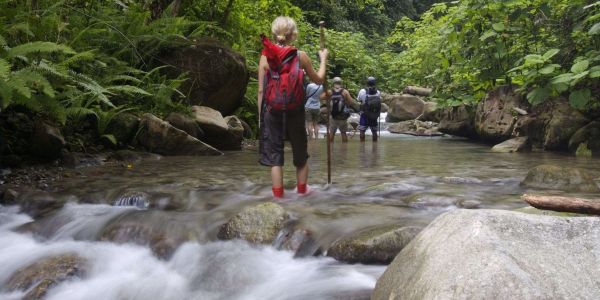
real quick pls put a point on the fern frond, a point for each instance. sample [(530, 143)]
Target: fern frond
[(128, 89), (92, 87), (124, 78), (20, 28), (85, 56), (39, 47), (19, 85), (3, 44), (36, 81), (49, 69), (79, 112), (4, 68), (6, 93)]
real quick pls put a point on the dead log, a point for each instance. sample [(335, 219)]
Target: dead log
[(417, 91), (564, 204)]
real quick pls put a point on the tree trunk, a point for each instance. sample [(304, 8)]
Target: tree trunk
[(564, 204), (176, 7), (34, 5), (157, 7), (227, 12)]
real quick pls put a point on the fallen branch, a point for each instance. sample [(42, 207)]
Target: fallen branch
[(564, 204)]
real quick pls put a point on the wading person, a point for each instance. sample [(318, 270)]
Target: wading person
[(370, 108), (313, 109), (281, 102), (341, 102)]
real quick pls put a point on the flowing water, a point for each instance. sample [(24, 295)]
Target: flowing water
[(183, 200)]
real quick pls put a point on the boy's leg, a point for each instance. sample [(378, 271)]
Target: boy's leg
[(299, 150), (362, 135), (374, 132), (277, 181), (302, 178)]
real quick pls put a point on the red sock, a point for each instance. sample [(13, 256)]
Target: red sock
[(277, 192), (301, 188)]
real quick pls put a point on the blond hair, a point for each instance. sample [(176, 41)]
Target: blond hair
[(284, 29)]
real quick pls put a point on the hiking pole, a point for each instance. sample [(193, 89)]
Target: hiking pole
[(322, 46)]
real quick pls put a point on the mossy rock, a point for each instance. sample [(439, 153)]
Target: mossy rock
[(560, 178), (256, 224)]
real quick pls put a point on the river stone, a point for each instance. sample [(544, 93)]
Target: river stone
[(518, 144), (235, 134), (431, 112), (373, 246), (217, 75), (589, 135), (40, 276), (160, 137), (457, 121), (405, 107), (385, 108), (415, 127), (185, 123), (495, 118), (47, 141), (417, 91), (123, 127), (248, 133), (495, 254), (560, 178), (256, 224)]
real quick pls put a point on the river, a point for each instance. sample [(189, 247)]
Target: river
[(399, 180)]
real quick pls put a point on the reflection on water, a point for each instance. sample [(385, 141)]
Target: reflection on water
[(400, 180)]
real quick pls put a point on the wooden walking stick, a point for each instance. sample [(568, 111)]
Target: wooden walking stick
[(322, 46)]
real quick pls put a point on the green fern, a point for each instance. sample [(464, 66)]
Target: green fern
[(4, 69), (128, 89), (19, 85), (92, 87), (39, 47), (6, 92), (85, 56), (123, 78), (3, 44)]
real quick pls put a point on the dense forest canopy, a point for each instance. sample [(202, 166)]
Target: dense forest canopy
[(71, 57)]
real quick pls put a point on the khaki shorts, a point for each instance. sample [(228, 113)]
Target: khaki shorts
[(334, 125), (274, 128), (312, 115)]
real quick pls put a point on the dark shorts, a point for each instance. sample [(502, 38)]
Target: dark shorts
[(367, 123), (274, 127)]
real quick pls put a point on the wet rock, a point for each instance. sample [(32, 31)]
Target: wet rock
[(35, 203), (160, 137), (41, 276), (47, 141), (589, 135), (373, 246), (126, 156), (298, 239), (461, 180), (494, 254), (123, 127), (247, 130), (431, 112), (415, 127), (518, 144), (235, 134), (405, 107), (384, 108), (458, 121), (560, 178), (258, 224), (543, 212), (551, 125), (185, 123), (468, 204), (75, 160), (495, 118), (151, 200), (217, 74)]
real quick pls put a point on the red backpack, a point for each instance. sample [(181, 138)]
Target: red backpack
[(284, 80)]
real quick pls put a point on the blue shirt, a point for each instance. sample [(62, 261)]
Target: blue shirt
[(313, 92)]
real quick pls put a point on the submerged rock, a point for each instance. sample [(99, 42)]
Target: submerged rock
[(298, 239), (560, 178), (494, 254), (40, 276), (518, 144), (256, 224), (160, 137), (373, 246)]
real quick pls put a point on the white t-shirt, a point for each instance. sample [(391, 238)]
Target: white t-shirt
[(313, 91), (362, 95)]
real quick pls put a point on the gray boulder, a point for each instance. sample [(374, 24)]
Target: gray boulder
[(160, 137), (415, 127), (405, 107), (588, 136), (47, 141), (495, 119), (518, 144), (210, 120), (560, 178), (256, 224), (185, 123), (458, 121), (377, 245), (41, 276), (493, 254)]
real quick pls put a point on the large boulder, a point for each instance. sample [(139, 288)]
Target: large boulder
[(458, 121), (405, 107), (185, 123), (431, 112), (560, 178), (210, 120), (222, 133), (551, 125), (41, 276), (256, 224), (377, 245), (217, 75), (235, 133), (160, 137), (494, 254), (123, 127), (415, 127), (518, 144), (495, 117), (47, 141), (587, 136)]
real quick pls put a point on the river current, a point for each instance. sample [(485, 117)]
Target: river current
[(399, 180)]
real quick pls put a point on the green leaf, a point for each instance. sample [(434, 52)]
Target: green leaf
[(128, 89), (560, 87), (4, 68), (580, 66), (562, 78), (595, 29), (111, 138), (488, 34), (550, 53), (538, 95), (549, 69), (579, 99), (499, 27), (595, 72)]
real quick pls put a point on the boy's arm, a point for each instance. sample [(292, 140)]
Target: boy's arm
[(350, 102)]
